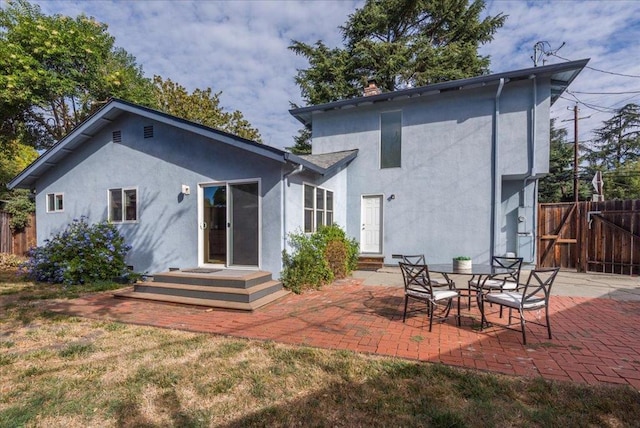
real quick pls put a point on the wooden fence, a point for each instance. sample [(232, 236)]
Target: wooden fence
[(16, 243), (590, 236)]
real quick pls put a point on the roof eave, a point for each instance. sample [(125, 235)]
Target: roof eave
[(28, 177), (304, 114)]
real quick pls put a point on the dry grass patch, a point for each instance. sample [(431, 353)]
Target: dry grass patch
[(66, 371)]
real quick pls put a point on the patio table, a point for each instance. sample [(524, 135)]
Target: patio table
[(478, 270)]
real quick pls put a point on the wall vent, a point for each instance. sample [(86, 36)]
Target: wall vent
[(148, 131), (117, 136)]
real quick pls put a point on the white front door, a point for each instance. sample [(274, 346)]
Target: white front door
[(371, 233)]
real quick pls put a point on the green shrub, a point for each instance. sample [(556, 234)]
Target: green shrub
[(318, 258), (20, 205), (334, 233), (80, 254)]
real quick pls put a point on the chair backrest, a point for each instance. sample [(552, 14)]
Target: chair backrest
[(416, 277), (539, 284), (514, 263), (414, 259)]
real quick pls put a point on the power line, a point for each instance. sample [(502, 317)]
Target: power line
[(604, 93), (596, 69), (600, 109)]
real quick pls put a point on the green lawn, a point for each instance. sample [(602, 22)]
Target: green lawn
[(61, 371)]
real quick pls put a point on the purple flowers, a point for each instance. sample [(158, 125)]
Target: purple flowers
[(82, 253)]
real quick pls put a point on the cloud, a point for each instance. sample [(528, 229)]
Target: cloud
[(605, 31), (240, 48)]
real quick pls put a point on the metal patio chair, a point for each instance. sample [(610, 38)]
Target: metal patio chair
[(507, 281), (419, 259), (532, 296), (418, 286)]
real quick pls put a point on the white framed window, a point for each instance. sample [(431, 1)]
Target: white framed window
[(55, 202), (390, 139), (318, 208), (123, 205)]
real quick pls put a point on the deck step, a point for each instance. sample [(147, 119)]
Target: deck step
[(217, 288), (232, 294), (220, 304), (222, 278)]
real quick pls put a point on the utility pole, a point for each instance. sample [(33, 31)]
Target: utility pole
[(575, 189), (575, 153)]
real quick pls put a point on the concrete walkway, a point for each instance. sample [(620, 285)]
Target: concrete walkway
[(567, 283), (595, 321)]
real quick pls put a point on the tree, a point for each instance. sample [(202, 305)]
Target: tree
[(623, 182), (302, 142), (618, 141), (56, 71), (201, 106), (616, 153), (558, 185), (399, 43)]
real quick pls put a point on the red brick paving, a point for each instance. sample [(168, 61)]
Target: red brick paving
[(594, 340)]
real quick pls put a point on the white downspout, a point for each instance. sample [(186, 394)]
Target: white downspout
[(531, 174), (496, 207), (283, 203)]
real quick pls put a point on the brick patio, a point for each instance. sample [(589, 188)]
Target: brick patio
[(595, 340)]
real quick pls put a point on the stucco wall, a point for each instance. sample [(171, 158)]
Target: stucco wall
[(442, 204), (166, 234)]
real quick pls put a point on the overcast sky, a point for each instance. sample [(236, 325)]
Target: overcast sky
[(240, 48)]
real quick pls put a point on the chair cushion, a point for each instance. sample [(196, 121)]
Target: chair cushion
[(445, 294), (513, 300), (418, 294), (492, 284), (510, 285), (437, 294)]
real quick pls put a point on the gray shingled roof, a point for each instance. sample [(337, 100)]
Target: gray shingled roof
[(328, 160)]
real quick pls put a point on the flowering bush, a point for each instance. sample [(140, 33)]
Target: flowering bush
[(318, 259), (80, 254)]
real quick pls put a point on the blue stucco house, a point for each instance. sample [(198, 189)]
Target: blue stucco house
[(449, 169), (446, 169)]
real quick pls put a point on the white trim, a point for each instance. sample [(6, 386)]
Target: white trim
[(199, 226), (200, 192), (362, 218), (55, 195), (122, 190), (314, 226)]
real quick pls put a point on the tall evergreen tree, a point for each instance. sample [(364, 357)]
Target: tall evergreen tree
[(615, 152), (399, 43), (558, 185), (617, 141)]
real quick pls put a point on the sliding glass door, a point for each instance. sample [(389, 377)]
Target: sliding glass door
[(230, 224)]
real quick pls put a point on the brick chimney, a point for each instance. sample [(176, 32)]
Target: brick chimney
[(371, 88)]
